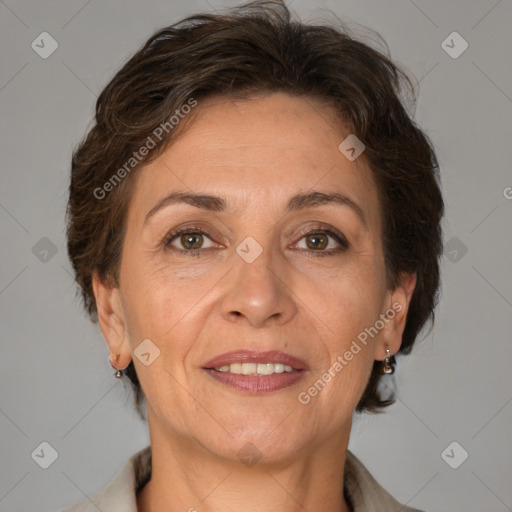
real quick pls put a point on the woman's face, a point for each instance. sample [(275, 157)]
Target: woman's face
[(260, 267)]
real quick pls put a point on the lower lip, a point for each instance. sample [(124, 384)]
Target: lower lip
[(255, 384)]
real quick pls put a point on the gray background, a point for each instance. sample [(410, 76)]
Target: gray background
[(57, 385)]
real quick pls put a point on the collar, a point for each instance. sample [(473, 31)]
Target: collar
[(361, 490)]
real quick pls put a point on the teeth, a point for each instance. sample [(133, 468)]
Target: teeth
[(265, 369), (255, 368), (234, 368), (249, 368), (278, 368)]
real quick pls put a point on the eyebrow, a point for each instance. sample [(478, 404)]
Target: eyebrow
[(296, 203)]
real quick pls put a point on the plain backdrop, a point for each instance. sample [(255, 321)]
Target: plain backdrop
[(57, 385)]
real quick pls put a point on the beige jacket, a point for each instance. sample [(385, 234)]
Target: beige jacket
[(361, 489)]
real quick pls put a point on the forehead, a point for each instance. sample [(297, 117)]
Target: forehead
[(259, 151)]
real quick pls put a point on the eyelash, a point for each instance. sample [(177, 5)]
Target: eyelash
[(342, 241)]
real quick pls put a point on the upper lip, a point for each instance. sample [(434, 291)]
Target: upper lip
[(250, 356)]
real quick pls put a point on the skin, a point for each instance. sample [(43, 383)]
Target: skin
[(257, 154)]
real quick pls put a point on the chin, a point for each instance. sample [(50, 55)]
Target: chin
[(250, 451), (266, 443)]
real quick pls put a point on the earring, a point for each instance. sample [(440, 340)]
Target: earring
[(119, 373), (388, 366)]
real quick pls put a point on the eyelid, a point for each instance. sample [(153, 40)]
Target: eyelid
[(173, 233), (340, 238), (318, 227)]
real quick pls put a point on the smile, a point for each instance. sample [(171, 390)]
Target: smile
[(255, 368), (256, 372)]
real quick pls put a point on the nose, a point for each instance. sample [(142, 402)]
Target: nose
[(258, 293)]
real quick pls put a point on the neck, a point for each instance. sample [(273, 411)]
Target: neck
[(187, 477)]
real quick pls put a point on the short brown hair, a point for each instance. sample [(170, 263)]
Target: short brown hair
[(254, 49)]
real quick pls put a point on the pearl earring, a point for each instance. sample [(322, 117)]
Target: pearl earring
[(119, 373), (388, 366)]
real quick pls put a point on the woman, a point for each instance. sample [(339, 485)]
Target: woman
[(254, 221)]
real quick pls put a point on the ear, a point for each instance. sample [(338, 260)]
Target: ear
[(111, 318), (395, 316)]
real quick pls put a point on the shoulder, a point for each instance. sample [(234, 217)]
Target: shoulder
[(121, 492), (365, 493)]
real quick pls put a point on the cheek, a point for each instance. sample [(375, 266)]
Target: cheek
[(349, 301), (343, 308), (344, 311), (341, 296), (158, 293)]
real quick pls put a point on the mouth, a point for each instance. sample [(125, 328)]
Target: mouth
[(258, 369), (256, 372)]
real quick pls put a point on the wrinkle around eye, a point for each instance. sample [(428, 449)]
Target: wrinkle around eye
[(155, 233), (222, 235)]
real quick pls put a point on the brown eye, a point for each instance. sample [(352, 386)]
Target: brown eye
[(191, 240), (317, 241), (188, 240)]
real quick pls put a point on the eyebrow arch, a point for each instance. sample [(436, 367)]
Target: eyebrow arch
[(297, 202)]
